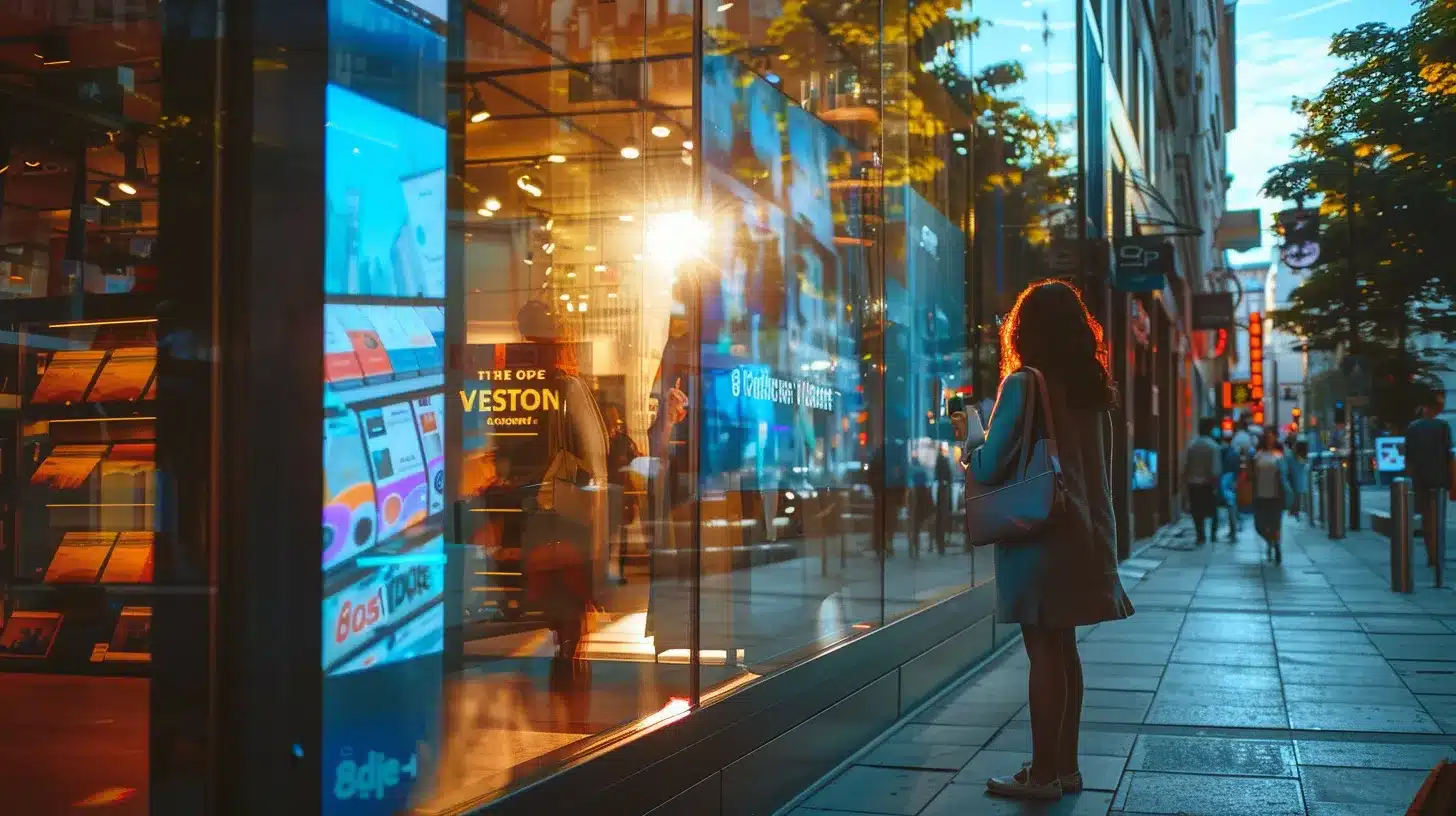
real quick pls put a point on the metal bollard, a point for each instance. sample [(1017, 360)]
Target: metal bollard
[(1335, 487), (1401, 523)]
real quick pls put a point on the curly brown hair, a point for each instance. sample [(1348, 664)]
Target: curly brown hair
[(1050, 329)]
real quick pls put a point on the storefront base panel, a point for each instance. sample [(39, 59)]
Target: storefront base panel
[(755, 749)]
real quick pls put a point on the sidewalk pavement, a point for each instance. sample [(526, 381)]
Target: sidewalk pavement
[(1238, 687)]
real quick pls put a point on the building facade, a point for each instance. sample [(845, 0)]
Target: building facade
[(605, 351)]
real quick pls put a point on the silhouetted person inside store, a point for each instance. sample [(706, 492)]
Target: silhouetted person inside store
[(942, 499), (1428, 463)]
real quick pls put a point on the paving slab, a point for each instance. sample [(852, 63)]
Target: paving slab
[(1361, 786), (1202, 755), (1361, 718), (892, 791), (1384, 755), (1426, 677), (1151, 792)]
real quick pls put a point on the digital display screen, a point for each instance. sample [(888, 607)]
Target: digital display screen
[(781, 326), (383, 554), (385, 190), (1144, 469)]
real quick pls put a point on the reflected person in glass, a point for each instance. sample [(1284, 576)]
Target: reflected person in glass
[(1066, 575)]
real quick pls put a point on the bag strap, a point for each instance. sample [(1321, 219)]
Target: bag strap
[(1028, 428), (1043, 397)]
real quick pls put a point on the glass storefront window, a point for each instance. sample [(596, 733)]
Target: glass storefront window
[(105, 208), (659, 405)]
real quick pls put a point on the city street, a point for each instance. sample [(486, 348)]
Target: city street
[(1238, 687)]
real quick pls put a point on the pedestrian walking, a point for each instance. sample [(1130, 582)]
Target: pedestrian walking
[(1064, 576), (1270, 478), (1428, 461), (1299, 477), (1202, 470), (1233, 465), (942, 499)]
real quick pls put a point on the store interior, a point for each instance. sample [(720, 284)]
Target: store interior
[(80, 105)]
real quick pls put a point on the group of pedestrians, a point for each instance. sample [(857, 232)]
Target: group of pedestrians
[(1248, 470)]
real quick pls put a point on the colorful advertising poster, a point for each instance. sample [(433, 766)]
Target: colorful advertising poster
[(392, 591), (67, 376), (429, 420), (351, 514), (124, 376), (401, 492), (385, 186)]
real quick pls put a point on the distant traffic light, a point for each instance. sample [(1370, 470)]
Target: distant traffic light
[(1296, 413)]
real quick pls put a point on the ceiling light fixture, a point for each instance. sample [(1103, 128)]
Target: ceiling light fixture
[(492, 203), (529, 185), (556, 158), (688, 145), (599, 268), (661, 131), (103, 194), (630, 150), (31, 165), (625, 217), (475, 108), (724, 6)]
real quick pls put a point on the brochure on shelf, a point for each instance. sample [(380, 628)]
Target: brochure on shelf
[(351, 516), (430, 355), (79, 557), (399, 468), (30, 633), (368, 348), (125, 375), (67, 376), (429, 416), (131, 640), (341, 365), (434, 319), (68, 466), (131, 559), (396, 341)]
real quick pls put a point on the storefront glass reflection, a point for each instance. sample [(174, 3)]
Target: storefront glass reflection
[(659, 406)]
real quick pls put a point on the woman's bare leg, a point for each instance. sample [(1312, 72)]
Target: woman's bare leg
[(1047, 697), (1071, 729)]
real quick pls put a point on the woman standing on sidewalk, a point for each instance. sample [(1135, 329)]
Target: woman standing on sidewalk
[(1067, 576), (1272, 490)]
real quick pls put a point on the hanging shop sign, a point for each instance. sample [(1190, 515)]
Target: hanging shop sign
[(1300, 227), (1256, 365), (1141, 263), (1213, 311)]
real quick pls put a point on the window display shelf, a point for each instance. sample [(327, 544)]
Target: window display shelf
[(82, 492)]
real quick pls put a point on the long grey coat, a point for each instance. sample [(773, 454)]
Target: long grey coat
[(1067, 576)]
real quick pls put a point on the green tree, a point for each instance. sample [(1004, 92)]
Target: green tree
[(1373, 152)]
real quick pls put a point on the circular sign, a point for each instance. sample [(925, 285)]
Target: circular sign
[(1300, 255)]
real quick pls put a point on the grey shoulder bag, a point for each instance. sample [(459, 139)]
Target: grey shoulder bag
[(1030, 500)]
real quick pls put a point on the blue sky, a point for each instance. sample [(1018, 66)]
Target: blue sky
[(1283, 52)]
